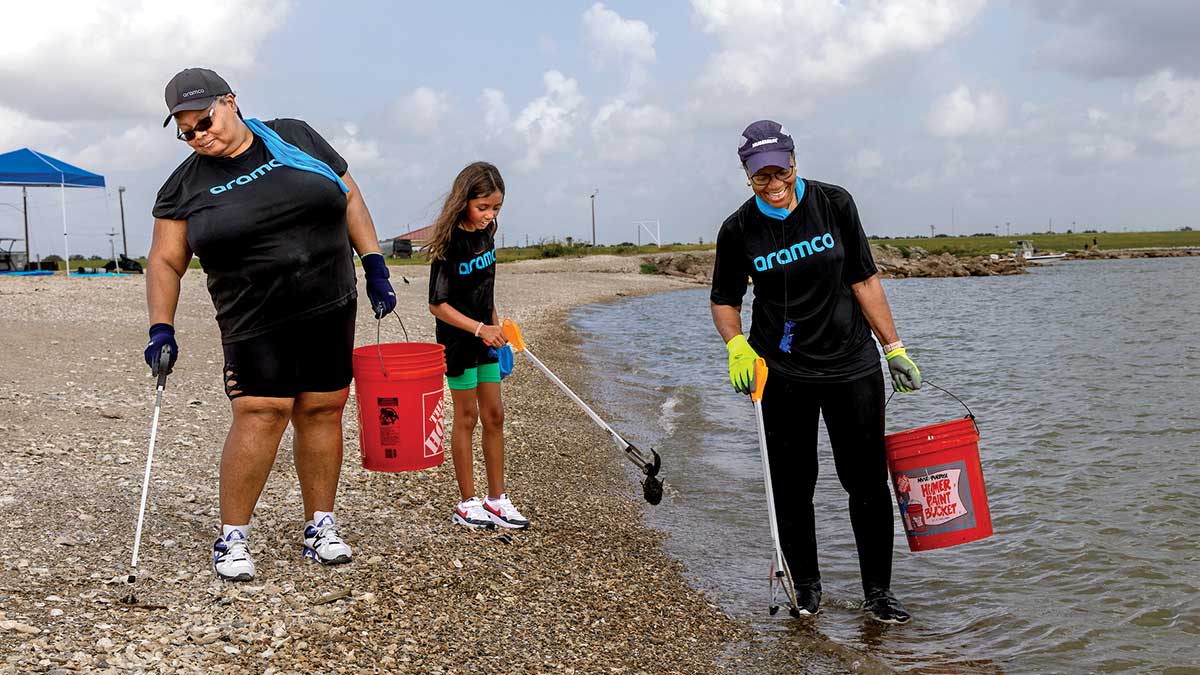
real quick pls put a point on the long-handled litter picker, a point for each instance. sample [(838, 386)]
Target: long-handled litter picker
[(781, 576), (164, 363), (652, 487)]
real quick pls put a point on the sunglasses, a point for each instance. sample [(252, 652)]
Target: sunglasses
[(203, 124)]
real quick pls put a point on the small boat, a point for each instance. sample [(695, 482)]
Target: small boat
[(1029, 253)]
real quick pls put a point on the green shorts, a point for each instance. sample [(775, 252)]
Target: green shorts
[(471, 377)]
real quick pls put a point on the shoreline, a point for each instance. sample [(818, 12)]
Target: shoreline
[(576, 593)]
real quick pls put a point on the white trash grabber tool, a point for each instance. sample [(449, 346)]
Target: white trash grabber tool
[(164, 361), (652, 487), (781, 576)]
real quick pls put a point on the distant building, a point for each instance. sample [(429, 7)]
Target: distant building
[(403, 245)]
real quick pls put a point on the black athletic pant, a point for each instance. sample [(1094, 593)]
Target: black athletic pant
[(853, 413)]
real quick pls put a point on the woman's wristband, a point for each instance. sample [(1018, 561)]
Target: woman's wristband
[(478, 328), (892, 346)]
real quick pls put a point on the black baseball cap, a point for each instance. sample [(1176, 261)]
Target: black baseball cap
[(193, 89), (765, 143)]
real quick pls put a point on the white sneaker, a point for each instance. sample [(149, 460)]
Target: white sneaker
[(231, 557), (323, 542), (470, 513), (504, 514)]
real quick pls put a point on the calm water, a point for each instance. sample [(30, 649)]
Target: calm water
[(1085, 378)]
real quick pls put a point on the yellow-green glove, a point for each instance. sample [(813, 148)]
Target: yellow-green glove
[(741, 364), (905, 375)]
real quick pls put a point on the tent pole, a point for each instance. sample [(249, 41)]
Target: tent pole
[(66, 251), (25, 210)]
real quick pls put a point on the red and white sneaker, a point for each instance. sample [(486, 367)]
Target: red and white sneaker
[(470, 513), (504, 514)]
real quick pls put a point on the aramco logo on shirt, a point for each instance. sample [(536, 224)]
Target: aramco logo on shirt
[(794, 252), (242, 180), (478, 263)]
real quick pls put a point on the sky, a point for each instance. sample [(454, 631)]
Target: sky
[(961, 115)]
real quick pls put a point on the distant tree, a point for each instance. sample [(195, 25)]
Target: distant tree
[(53, 257), (1186, 228)]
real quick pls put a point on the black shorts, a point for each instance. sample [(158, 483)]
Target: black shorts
[(468, 354), (312, 354)]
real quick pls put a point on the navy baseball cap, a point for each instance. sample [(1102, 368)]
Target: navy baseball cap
[(193, 89), (765, 143)]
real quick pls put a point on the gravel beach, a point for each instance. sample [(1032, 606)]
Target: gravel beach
[(586, 590)]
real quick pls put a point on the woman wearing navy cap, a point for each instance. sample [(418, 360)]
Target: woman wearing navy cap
[(817, 301), (272, 212)]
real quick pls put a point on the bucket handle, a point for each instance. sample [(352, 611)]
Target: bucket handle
[(970, 415), (379, 341)]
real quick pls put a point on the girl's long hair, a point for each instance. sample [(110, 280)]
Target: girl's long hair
[(479, 179)]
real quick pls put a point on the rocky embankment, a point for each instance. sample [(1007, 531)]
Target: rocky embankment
[(893, 263), (1128, 253)]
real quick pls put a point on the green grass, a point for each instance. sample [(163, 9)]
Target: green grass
[(552, 249), (557, 249), (965, 246)]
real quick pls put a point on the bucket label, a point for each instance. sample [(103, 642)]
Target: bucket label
[(934, 500), (389, 432), (434, 422)]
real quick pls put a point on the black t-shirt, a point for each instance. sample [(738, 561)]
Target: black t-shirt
[(466, 279), (802, 269), (272, 239)]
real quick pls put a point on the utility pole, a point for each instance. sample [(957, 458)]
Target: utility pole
[(931, 231), (1007, 228), (594, 193), (121, 201), (25, 210)]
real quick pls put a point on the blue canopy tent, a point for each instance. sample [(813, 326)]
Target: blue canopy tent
[(29, 168)]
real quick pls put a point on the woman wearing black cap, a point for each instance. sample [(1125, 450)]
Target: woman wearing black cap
[(271, 212), (817, 300)]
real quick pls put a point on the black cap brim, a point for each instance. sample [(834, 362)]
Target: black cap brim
[(197, 104)]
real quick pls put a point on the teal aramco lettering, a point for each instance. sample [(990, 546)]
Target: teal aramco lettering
[(242, 180), (794, 252), (478, 263)]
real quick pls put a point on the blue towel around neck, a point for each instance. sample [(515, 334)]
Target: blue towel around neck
[(776, 212), (290, 155)]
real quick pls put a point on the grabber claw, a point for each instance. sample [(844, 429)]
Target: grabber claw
[(652, 487)]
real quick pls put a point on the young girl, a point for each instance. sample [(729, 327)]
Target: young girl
[(462, 277)]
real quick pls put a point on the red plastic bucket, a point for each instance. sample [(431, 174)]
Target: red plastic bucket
[(398, 387), (938, 482)]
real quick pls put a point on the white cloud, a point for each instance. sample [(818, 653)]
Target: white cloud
[(495, 111), (1169, 109), (960, 113), (547, 124), (132, 149), (20, 130), (1117, 39), (358, 152), (117, 55), (421, 111), (812, 46), (624, 133), (866, 161), (628, 42)]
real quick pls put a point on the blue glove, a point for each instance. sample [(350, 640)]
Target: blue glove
[(161, 335), (379, 289), (505, 356)]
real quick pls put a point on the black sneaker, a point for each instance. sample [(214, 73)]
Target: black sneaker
[(808, 598), (883, 607)]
